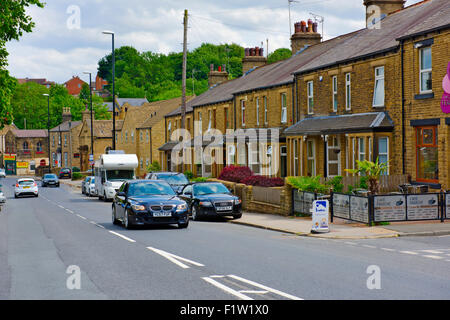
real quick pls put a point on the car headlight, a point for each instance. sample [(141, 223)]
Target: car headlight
[(181, 207), (237, 201), (138, 207), (206, 204)]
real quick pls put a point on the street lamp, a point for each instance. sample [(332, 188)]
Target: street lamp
[(48, 128), (92, 117), (113, 89)]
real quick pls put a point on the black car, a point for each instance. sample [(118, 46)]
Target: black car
[(211, 199), (176, 180), (143, 202), (50, 180), (65, 173)]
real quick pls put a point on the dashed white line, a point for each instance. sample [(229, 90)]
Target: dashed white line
[(369, 246), (351, 243), (70, 211), (122, 236), (84, 218), (409, 252), (432, 251), (433, 257), (388, 249)]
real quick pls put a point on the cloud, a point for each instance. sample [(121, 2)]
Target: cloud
[(56, 52)]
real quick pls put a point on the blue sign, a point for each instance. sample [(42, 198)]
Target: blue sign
[(320, 216)]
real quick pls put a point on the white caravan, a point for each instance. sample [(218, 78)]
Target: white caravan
[(110, 171)]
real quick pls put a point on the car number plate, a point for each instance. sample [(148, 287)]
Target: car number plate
[(162, 214), (224, 208), (26, 187)]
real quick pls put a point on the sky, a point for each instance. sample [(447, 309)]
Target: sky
[(68, 39)]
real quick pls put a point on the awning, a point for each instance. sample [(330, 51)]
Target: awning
[(348, 123), (168, 146)]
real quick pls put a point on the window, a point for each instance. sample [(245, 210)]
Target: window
[(200, 124), (53, 141), (362, 149), (66, 160), (310, 89), (257, 111), (25, 146), (141, 136), (142, 164), (39, 146), (383, 151), (253, 157), (335, 94), (378, 93), (283, 108), (231, 155), (427, 154), (132, 136), (148, 135), (333, 159), (283, 161), (265, 111), (65, 140), (310, 146), (227, 118), (370, 149), (425, 70), (169, 129), (126, 136), (348, 91), (210, 119), (295, 165), (243, 112)]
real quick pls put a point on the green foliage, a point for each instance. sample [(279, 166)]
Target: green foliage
[(76, 169), (310, 184), (371, 171), (189, 175), (199, 179), (158, 76), (14, 22), (279, 54), (363, 182), (336, 184), (154, 167), (77, 176)]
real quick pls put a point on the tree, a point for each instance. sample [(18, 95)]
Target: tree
[(279, 54), (14, 22), (372, 170)]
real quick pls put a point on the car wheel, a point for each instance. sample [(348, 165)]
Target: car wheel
[(36, 195), (104, 197), (195, 215), (15, 196), (126, 221), (237, 216), (184, 225), (114, 219)]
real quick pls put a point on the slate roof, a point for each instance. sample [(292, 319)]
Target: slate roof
[(103, 128), (30, 133), (349, 123), (164, 107), (65, 126), (137, 102)]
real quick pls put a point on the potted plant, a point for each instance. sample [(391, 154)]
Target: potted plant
[(373, 171)]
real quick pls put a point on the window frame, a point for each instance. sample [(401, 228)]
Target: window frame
[(377, 79), (266, 120), (348, 91), (257, 111), (422, 71), (310, 96), (334, 93), (422, 145), (243, 112), (284, 108)]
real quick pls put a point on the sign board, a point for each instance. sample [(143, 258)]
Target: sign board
[(390, 208), (22, 165), (9, 157), (91, 157), (341, 205), (423, 206), (359, 209), (320, 210), (447, 206)]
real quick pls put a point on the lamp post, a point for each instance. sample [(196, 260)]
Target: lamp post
[(92, 116), (113, 89), (48, 128)]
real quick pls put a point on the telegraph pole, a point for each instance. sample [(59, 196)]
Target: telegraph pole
[(183, 80)]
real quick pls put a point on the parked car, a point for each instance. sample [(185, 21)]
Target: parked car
[(84, 185), (91, 188), (50, 179), (211, 199), (65, 173), (2, 173), (146, 202), (26, 187), (175, 179), (2, 198)]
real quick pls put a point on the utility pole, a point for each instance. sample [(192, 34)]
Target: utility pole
[(183, 79), (290, 24), (193, 84)]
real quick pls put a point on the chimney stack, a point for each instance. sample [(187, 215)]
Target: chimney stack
[(254, 57), (216, 77), (305, 34), (66, 115), (381, 8)]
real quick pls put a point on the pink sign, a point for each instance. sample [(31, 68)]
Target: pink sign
[(445, 102)]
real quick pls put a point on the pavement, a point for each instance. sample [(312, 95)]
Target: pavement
[(340, 230)]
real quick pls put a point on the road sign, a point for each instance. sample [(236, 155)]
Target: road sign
[(320, 216), (91, 157)]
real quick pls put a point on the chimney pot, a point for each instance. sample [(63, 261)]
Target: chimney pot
[(261, 52), (310, 24), (303, 26), (220, 69), (247, 52), (315, 25), (211, 67)]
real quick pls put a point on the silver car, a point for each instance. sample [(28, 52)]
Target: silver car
[(2, 173), (26, 187)]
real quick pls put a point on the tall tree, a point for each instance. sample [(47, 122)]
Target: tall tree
[(14, 22)]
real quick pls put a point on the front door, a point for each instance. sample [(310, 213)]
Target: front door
[(10, 167)]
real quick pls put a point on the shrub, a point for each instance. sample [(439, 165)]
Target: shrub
[(76, 169), (199, 179), (363, 183), (189, 174), (154, 167), (336, 184), (310, 184), (235, 173), (262, 181), (77, 176)]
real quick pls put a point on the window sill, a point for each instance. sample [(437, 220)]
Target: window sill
[(379, 107), (424, 95)]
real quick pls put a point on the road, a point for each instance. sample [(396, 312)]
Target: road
[(40, 238)]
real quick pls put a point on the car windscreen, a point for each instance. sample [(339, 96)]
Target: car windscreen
[(209, 188), (174, 179), (26, 183), (92, 180), (119, 175), (148, 189), (50, 176)]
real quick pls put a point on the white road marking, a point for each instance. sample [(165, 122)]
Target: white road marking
[(433, 257), (351, 243), (255, 284), (84, 218), (369, 246), (409, 252), (254, 291), (61, 206), (388, 249), (122, 236), (432, 251), (226, 289), (173, 258), (70, 211), (100, 226)]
